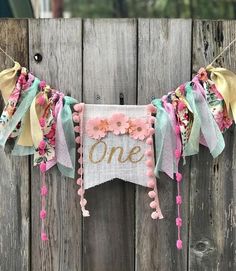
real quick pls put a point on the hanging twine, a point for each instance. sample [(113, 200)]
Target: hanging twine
[(6, 54), (222, 52)]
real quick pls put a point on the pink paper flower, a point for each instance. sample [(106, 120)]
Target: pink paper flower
[(202, 74), (118, 123), (96, 128), (139, 129)]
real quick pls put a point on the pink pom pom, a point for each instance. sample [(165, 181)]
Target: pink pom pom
[(83, 202), (44, 236), (42, 122), (78, 107), (151, 108), (150, 173), (41, 100), (151, 131), (42, 84), (80, 192), (178, 200), (43, 214), (177, 153), (152, 194), (149, 141), (181, 106), (154, 215), (149, 163), (151, 120), (151, 183), (177, 129), (153, 205), (149, 152), (178, 177), (77, 129), (179, 244), (77, 139), (79, 181), (42, 145), (76, 119), (43, 167), (80, 170), (178, 222), (44, 190)]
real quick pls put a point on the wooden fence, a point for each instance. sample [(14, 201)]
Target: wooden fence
[(118, 61)]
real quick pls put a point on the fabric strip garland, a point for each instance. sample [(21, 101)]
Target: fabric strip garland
[(56, 129)]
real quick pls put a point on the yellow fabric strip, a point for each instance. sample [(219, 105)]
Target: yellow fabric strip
[(8, 79), (225, 82)]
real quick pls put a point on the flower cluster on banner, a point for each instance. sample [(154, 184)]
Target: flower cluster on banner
[(54, 127)]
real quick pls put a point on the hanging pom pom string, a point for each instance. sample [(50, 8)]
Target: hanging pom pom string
[(44, 192), (150, 163), (178, 202), (78, 119)]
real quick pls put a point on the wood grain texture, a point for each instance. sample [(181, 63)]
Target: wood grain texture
[(164, 56), (213, 182), (59, 43), (109, 70), (14, 177)]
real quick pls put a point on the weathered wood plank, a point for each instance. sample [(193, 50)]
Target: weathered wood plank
[(212, 192), (59, 42), (109, 71), (14, 177), (164, 57)]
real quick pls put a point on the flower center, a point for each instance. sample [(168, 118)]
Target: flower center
[(118, 123), (95, 128), (139, 129)]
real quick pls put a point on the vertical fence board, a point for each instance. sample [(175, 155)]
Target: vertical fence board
[(109, 70), (164, 63), (59, 42), (14, 178), (213, 182)]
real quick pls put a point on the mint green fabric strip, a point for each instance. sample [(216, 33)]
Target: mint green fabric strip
[(20, 112), (204, 128), (165, 142), (68, 127)]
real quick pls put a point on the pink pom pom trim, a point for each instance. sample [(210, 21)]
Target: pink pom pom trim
[(44, 236), (43, 214), (80, 192), (76, 118), (151, 183), (152, 194), (78, 107), (44, 190), (152, 119), (150, 173), (42, 84), (178, 200), (153, 205), (77, 139), (178, 221), (42, 167), (149, 163), (149, 152), (79, 181), (154, 215), (178, 177), (179, 244), (77, 129), (149, 141)]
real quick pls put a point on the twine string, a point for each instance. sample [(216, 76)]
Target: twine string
[(6, 54)]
